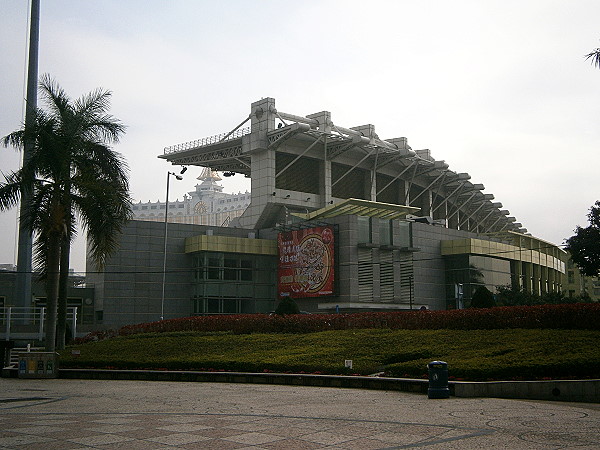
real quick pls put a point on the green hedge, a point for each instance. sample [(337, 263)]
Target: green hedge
[(470, 354)]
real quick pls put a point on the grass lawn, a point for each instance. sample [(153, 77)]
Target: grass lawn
[(470, 354)]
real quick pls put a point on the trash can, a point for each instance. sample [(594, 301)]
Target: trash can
[(38, 365), (438, 380)]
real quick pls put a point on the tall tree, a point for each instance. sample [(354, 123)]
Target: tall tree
[(71, 174), (584, 245)]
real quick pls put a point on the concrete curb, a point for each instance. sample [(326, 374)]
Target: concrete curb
[(557, 390)]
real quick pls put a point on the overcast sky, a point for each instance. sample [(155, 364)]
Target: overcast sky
[(498, 89)]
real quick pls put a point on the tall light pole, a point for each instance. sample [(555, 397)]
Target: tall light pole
[(162, 301), (23, 282)]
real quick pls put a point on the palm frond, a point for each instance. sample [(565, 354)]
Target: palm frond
[(594, 57), (55, 97), (10, 191)]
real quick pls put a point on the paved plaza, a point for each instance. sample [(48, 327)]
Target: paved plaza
[(76, 414)]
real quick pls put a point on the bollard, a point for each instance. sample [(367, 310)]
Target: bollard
[(438, 380)]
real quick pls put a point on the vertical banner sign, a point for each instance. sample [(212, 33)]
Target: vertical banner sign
[(306, 262)]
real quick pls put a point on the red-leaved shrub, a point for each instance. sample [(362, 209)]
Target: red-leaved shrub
[(576, 316)]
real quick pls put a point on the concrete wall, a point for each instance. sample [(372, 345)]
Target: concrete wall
[(129, 290)]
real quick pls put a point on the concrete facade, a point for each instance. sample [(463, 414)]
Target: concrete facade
[(409, 231)]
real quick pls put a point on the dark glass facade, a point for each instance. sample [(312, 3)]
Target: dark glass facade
[(233, 283), (465, 273)]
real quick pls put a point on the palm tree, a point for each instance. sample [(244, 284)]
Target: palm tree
[(595, 57), (71, 175)]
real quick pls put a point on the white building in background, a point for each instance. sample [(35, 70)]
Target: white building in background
[(207, 205)]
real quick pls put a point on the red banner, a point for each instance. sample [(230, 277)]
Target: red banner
[(306, 260)]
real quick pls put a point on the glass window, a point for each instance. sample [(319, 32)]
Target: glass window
[(230, 305), (230, 271), (405, 235), (385, 232), (212, 305), (571, 277), (364, 230), (246, 275), (214, 268)]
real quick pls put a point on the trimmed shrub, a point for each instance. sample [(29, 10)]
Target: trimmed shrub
[(287, 306), (482, 298), (577, 316)]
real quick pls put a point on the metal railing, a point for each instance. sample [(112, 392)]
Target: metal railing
[(29, 323), (207, 141)]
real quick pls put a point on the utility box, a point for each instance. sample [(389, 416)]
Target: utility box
[(38, 365), (438, 380)]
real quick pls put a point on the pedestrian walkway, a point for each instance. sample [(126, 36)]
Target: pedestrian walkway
[(76, 414)]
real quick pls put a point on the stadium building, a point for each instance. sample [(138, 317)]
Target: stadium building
[(338, 219)]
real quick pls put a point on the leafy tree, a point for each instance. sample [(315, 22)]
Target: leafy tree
[(482, 298), (584, 245), (287, 306), (594, 57), (70, 175), (511, 296)]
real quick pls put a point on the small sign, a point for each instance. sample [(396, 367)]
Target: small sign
[(76, 353), (348, 363)]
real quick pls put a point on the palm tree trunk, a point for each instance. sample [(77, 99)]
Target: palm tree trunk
[(61, 324), (53, 274)]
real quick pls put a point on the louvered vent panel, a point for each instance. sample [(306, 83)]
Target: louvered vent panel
[(365, 275), (406, 278), (386, 277)]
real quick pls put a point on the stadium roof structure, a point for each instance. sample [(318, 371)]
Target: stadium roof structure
[(307, 164)]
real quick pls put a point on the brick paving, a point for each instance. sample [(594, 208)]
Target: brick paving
[(215, 431), (70, 414)]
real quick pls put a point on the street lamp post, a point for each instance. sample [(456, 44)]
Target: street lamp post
[(162, 301)]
